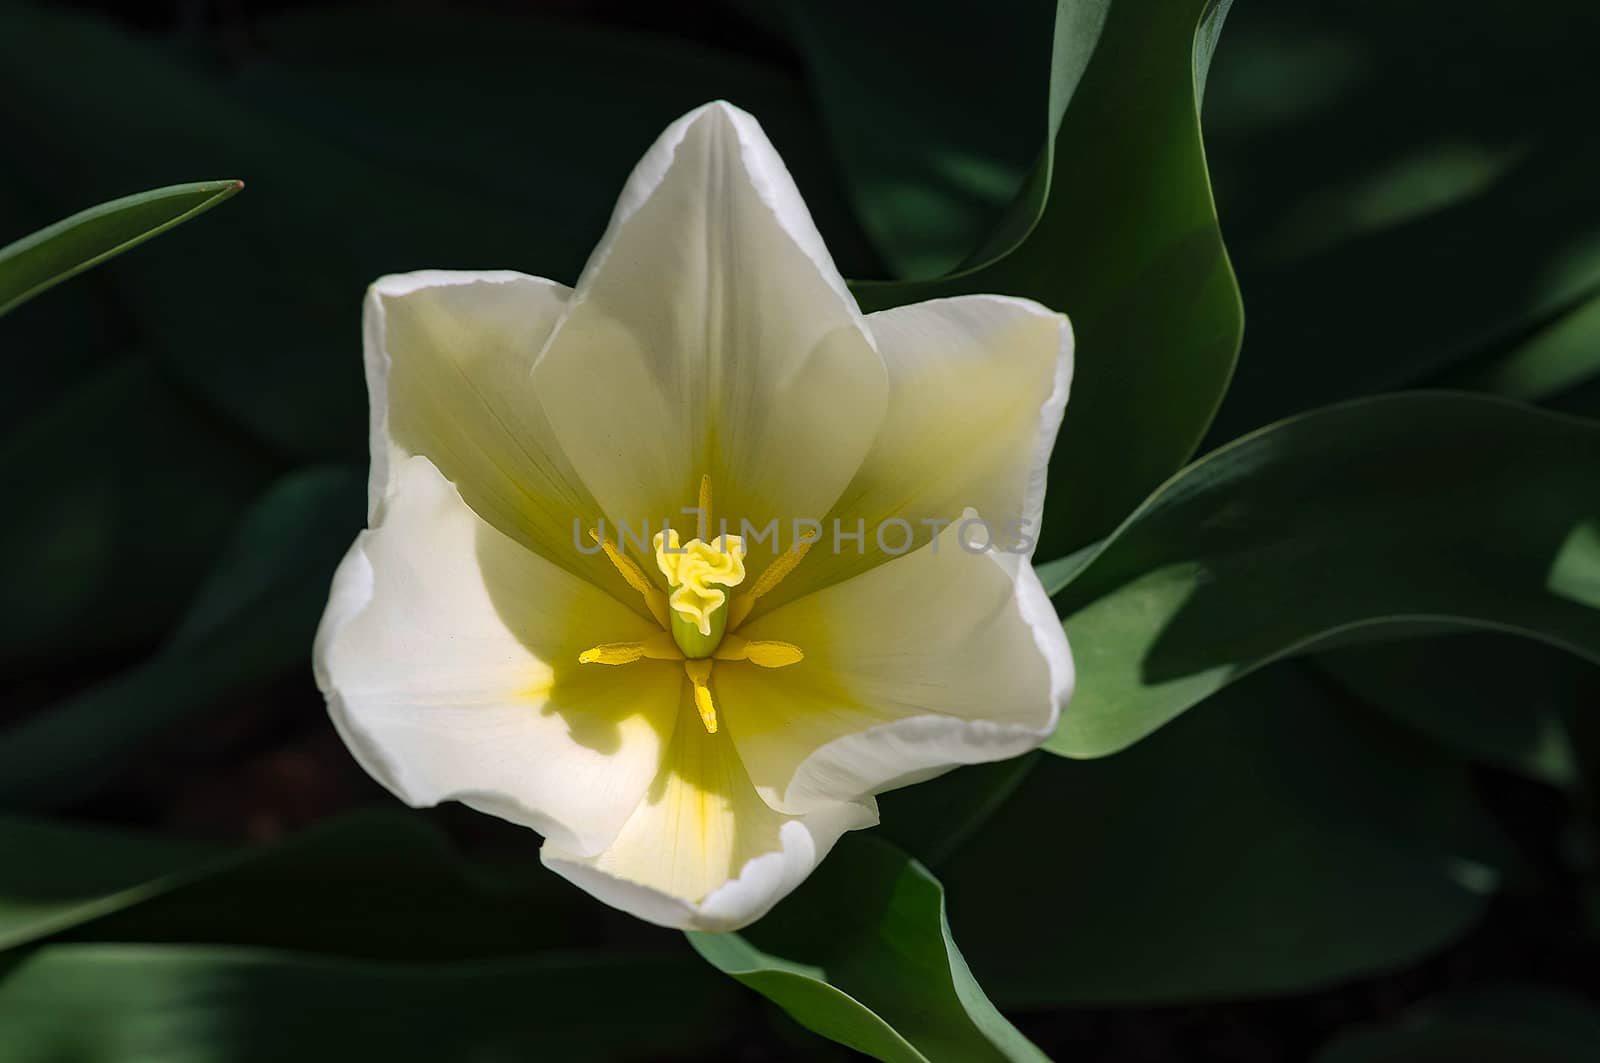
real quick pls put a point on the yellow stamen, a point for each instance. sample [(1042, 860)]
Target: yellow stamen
[(658, 647), (703, 522), (634, 576), (700, 675), (770, 577), (768, 653), (612, 653)]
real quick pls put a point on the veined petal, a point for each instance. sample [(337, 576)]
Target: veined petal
[(711, 333), (938, 658), (449, 359), (977, 387), (449, 658), (702, 851)]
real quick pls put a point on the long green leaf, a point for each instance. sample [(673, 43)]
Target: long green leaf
[(942, 148), (252, 619), (1129, 247), (114, 1003), (1525, 1023), (1558, 356), (62, 876), (932, 819), (64, 336), (1496, 698), (121, 496), (48, 257), (1391, 211), (1443, 509), (364, 885), (1268, 842), (862, 953)]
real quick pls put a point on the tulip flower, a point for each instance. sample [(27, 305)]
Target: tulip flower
[(693, 718)]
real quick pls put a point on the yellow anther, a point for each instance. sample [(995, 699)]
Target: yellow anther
[(700, 675), (634, 576), (770, 577), (657, 647), (768, 653), (703, 521), (612, 653)]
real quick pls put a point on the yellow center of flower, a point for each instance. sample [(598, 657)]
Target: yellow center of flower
[(700, 574), (696, 615)]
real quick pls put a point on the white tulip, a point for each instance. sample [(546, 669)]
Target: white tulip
[(691, 742)]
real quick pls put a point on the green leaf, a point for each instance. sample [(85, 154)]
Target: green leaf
[(1432, 508), (1556, 357), (349, 887), (1390, 210), (1128, 246), (115, 1003), (932, 819), (73, 875), (49, 256), (1275, 840), (950, 146), (121, 496), (1529, 1024), (1495, 698), (253, 619), (1055, 575), (64, 336), (862, 953)]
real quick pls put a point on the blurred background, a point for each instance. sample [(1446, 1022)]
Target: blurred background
[(1409, 197)]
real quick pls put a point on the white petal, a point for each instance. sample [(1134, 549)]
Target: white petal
[(703, 851), (938, 658), (977, 387), (449, 361), (449, 658), (711, 333)]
